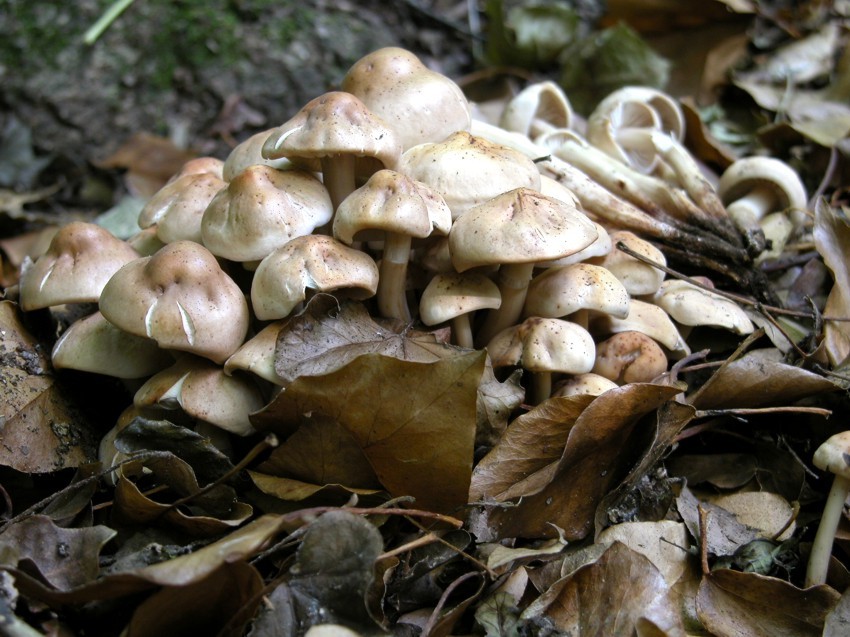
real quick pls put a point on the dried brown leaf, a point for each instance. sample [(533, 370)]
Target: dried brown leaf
[(758, 379), (524, 459), (832, 240), (735, 603), (149, 160), (599, 452), (414, 422), (40, 429), (622, 593)]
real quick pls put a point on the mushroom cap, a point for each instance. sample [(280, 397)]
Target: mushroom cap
[(145, 242), (203, 391), (639, 278), (747, 173), (598, 248), (421, 105), (335, 123), (313, 261), (468, 170), (262, 209), (392, 202), (542, 101), (176, 208), (452, 294), (519, 226), (80, 260), (257, 354), (564, 290), (544, 345), (180, 298), (646, 318), (834, 455), (93, 344), (690, 305), (629, 357), (249, 153), (584, 384)]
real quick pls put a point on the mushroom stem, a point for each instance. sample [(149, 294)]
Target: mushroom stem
[(747, 211), (462, 331), (513, 282), (541, 387), (338, 176), (822, 547), (392, 302)]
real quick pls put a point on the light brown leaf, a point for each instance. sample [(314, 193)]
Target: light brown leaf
[(40, 429), (757, 379), (620, 594), (735, 603), (832, 240), (415, 422), (601, 448)]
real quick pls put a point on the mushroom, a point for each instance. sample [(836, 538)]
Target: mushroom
[(261, 210), (690, 305), (176, 208), (203, 391), (181, 299), (316, 262), (452, 296), (589, 384), (93, 344), (537, 109), (629, 357), (543, 346), (420, 105), (638, 277), (833, 456), (646, 318), (249, 153), (468, 170), (400, 208), (257, 354), (516, 230), (575, 292), (753, 187), (337, 132), (80, 260)]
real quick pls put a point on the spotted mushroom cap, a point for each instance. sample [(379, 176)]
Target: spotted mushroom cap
[(544, 345), (561, 291)]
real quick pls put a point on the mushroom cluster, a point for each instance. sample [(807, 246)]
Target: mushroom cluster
[(389, 188)]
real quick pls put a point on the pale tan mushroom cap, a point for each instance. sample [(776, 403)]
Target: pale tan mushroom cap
[(421, 105), (313, 262), (180, 298), (392, 202), (468, 170), (257, 354), (639, 278), (80, 260), (629, 357), (450, 295), (747, 173), (544, 345), (584, 384), (93, 344), (647, 318), (564, 290), (690, 305), (520, 226), (249, 153), (834, 455), (262, 209), (335, 123), (541, 102), (202, 390)]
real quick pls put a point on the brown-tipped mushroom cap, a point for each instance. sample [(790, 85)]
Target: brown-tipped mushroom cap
[(639, 278), (629, 357), (400, 209), (337, 131), (690, 305), (314, 262), (561, 291), (80, 260), (421, 105), (516, 229), (468, 170), (93, 344), (180, 298), (262, 209), (249, 153), (203, 391), (176, 208)]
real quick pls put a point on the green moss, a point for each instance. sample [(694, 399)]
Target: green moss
[(35, 33)]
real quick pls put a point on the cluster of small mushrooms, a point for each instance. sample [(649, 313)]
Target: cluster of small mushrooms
[(394, 187)]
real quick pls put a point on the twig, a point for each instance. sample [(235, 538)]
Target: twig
[(103, 22), (435, 614), (755, 411)]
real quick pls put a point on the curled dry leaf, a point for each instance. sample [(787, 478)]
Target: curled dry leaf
[(417, 431), (734, 603), (832, 240), (40, 428), (582, 602)]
